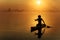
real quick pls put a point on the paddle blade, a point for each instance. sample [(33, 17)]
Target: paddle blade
[(48, 27)]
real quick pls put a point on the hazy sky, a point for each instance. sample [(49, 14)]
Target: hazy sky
[(26, 4)]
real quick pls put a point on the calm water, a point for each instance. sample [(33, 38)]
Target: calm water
[(16, 25)]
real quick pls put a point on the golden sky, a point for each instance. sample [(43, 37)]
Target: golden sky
[(32, 4)]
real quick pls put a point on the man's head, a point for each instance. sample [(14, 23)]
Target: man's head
[(39, 16)]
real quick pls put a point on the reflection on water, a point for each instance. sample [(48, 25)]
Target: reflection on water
[(16, 25)]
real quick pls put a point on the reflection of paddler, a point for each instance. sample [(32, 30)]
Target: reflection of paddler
[(39, 26)]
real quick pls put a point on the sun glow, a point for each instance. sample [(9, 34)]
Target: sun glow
[(38, 2)]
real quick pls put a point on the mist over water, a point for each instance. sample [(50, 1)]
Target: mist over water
[(16, 25)]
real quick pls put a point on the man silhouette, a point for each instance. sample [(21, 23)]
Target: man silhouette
[(39, 26)]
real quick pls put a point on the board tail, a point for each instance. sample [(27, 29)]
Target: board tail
[(33, 29)]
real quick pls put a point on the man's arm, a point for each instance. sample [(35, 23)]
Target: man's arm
[(36, 19)]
